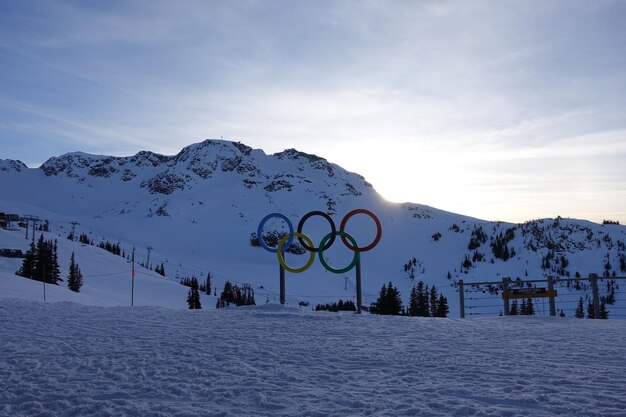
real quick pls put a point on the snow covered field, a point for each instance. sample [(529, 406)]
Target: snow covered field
[(67, 359)]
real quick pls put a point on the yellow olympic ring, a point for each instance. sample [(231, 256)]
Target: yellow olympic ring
[(281, 259)]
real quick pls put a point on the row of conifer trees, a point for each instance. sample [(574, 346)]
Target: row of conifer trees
[(41, 263), (423, 302)]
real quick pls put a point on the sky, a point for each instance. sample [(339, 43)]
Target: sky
[(501, 110)]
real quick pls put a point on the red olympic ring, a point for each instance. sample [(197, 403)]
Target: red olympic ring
[(379, 230)]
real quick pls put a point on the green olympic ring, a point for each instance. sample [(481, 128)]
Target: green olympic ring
[(281, 257), (354, 260)]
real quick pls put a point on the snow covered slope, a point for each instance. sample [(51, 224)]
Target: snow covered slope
[(198, 209), (107, 278), (65, 359)]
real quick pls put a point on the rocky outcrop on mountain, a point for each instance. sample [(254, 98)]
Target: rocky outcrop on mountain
[(210, 160), (11, 165), (166, 183)]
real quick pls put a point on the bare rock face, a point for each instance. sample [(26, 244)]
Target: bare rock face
[(11, 165), (209, 160), (166, 183)]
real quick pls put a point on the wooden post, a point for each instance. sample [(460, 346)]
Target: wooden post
[(551, 299), (358, 286), (505, 288), (596, 298), (282, 283), (461, 299)]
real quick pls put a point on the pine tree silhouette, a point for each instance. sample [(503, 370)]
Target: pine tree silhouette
[(41, 262), (207, 285), (604, 313), (580, 310), (28, 264), (193, 297), (590, 311), (389, 301), (433, 301), (74, 281), (413, 309), (442, 307), (422, 300)]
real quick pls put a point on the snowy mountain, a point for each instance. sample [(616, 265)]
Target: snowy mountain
[(200, 208)]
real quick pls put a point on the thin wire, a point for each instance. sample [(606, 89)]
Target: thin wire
[(106, 275), (487, 306), (480, 298)]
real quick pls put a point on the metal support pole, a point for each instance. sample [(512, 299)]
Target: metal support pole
[(461, 299), (34, 225), (282, 284), (551, 299), (29, 218), (358, 286), (505, 288), (74, 223), (148, 260), (596, 298)]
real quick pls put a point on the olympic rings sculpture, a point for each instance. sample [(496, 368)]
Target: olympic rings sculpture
[(326, 242)]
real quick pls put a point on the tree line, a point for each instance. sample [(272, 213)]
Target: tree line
[(423, 302)]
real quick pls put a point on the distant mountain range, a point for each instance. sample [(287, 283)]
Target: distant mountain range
[(199, 209)]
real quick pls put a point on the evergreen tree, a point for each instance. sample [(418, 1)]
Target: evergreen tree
[(389, 301), (207, 285), (379, 305), (433, 301), (442, 307), (590, 311), (74, 279), (55, 274), (395, 301), (41, 262), (28, 264), (413, 309), (193, 297), (530, 309), (514, 310), (422, 300), (580, 310), (227, 296), (39, 271), (604, 313)]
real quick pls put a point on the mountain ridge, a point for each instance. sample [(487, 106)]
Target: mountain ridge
[(201, 206)]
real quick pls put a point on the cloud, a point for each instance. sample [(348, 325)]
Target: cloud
[(476, 93)]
